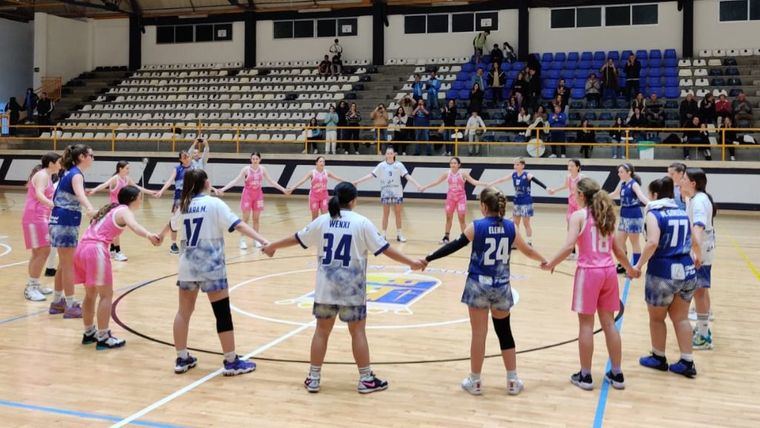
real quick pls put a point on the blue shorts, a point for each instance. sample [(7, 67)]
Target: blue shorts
[(522, 210), (481, 293), (704, 274), (631, 225), (346, 313), (205, 286), (660, 291), (63, 236)]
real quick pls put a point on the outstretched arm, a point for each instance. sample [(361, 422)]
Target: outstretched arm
[(273, 183), (232, 182), (129, 220), (142, 189), (168, 183), (300, 182), (410, 178), (528, 250), (616, 193), (248, 231), (289, 241), (101, 186), (363, 179), (533, 179), (400, 257), (473, 181), (437, 181), (335, 177), (500, 180)]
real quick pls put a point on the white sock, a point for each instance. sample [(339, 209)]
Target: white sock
[(512, 375), (33, 281), (102, 334), (658, 352), (475, 376), (365, 373), (398, 231), (230, 356), (70, 301), (315, 372), (89, 330), (687, 357), (57, 296), (703, 324), (182, 353)]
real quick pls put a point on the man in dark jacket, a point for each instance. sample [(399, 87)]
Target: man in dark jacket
[(632, 76), (497, 55), (45, 108), (30, 104), (687, 110)]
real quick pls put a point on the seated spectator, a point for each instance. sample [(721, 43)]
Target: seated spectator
[(707, 109), (518, 88), (687, 110), (337, 65), (742, 111), (497, 55), (593, 88), (617, 135), (637, 102), (562, 94), (586, 135), (523, 117), (325, 67), (478, 78), (449, 113), (655, 112), (496, 79), (510, 112), (399, 123), (558, 120), (723, 108), (379, 118), (422, 134), (408, 104), (476, 99), (610, 82), (417, 88), (637, 120), (473, 130), (696, 135), (313, 134), (45, 108), (433, 86), (731, 137)]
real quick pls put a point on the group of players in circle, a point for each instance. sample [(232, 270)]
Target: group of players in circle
[(678, 252)]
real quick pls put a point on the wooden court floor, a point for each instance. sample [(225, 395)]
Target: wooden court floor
[(419, 341)]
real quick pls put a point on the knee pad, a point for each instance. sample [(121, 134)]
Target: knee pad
[(504, 333), (223, 315)]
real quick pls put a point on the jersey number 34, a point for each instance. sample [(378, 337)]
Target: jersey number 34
[(341, 252)]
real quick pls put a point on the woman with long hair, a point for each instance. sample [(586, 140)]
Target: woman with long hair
[(318, 195), (631, 216), (177, 177), (522, 209), (571, 182)]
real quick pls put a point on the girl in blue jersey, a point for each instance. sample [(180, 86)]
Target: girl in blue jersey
[(65, 219), (631, 216), (671, 277), (177, 177), (523, 201), (487, 287)]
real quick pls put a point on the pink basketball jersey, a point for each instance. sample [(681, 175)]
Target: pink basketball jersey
[(120, 184), (254, 179), (105, 230), (318, 183), (594, 250), (456, 185), (34, 210), (572, 186)]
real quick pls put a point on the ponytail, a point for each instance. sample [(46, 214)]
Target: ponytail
[(120, 165), (37, 168), (102, 212), (71, 155), (494, 200), (599, 204), (343, 194), (193, 184), (698, 176)]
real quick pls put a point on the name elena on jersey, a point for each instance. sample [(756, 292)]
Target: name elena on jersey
[(495, 230)]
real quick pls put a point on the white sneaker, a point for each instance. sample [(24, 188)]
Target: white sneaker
[(400, 238), (562, 156), (514, 386), (257, 244), (356, 152), (614, 156), (733, 158), (403, 153), (315, 151), (471, 386), (32, 292), (303, 152), (552, 156), (243, 245), (44, 290), (120, 257), (345, 152)]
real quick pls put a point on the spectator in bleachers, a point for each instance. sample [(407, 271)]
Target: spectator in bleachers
[(473, 130), (610, 82), (518, 88), (742, 111), (495, 83), (533, 65), (342, 111), (639, 103), (379, 118), (30, 104), (723, 108), (497, 55), (45, 108), (337, 65), (476, 99), (510, 112), (523, 117), (353, 118), (325, 67), (509, 53), (479, 43), (616, 135), (586, 135), (399, 123), (687, 110), (707, 109), (632, 76), (557, 102), (655, 112), (449, 114), (637, 120), (478, 78), (313, 134), (422, 134), (731, 137), (563, 93), (533, 89), (558, 119), (331, 130), (336, 48), (417, 88), (593, 90), (433, 86), (697, 134), (14, 114)]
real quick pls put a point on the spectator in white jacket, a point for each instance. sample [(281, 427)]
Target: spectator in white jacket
[(474, 129)]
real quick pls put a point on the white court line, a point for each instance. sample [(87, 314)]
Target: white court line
[(7, 247), (14, 264), (180, 392)]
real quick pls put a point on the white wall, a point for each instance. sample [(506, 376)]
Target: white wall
[(110, 42), (354, 47), (400, 45), (666, 34), (710, 33), (186, 53), (62, 47), (17, 46)]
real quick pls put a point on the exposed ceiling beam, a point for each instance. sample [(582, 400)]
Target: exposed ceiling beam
[(85, 4)]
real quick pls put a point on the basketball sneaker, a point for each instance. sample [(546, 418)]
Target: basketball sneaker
[(32, 292), (110, 342), (73, 311), (174, 249), (44, 290), (89, 338), (58, 307), (243, 245), (184, 364), (700, 342), (473, 386), (620, 268), (654, 362), (514, 386), (257, 244), (119, 256), (400, 238), (582, 382), (372, 384), (311, 384), (685, 368), (238, 367), (616, 380)]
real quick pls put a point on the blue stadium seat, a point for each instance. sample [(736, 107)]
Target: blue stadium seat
[(671, 82), (624, 56), (654, 81), (599, 56), (644, 72), (715, 72), (577, 93), (468, 67), (584, 64), (732, 71), (671, 103), (641, 54), (547, 93), (656, 71), (552, 74), (575, 116), (572, 57), (596, 64), (589, 116), (670, 53), (512, 74), (570, 65), (457, 85), (505, 66), (463, 76), (580, 73), (621, 82), (670, 71), (463, 94), (644, 63), (560, 56), (718, 81), (587, 56), (670, 62), (547, 57), (519, 65), (655, 62), (550, 83), (655, 54), (555, 65), (486, 59), (569, 82), (672, 92), (734, 92), (605, 115), (578, 83), (734, 81), (615, 55)]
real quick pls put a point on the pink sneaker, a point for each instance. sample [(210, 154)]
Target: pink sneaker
[(58, 307), (73, 311)]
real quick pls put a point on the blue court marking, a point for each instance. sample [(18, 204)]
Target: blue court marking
[(20, 317), (602, 403), (83, 415)]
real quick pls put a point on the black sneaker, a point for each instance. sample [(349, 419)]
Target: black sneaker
[(89, 338), (371, 385), (445, 240), (184, 364), (616, 380), (174, 249), (50, 272), (684, 368), (620, 268), (582, 382), (654, 362)]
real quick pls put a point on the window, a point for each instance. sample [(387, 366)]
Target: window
[(347, 27), (303, 29), (283, 29), (645, 14), (438, 23), (754, 10), (462, 22), (204, 33), (164, 34), (617, 15), (183, 34), (739, 10), (486, 21), (589, 17), (563, 18), (414, 24), (326, 27), (222, 32)]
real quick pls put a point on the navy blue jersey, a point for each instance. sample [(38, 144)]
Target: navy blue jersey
[(672, 259), (522, 188), (630, 206), (179, 179), (66, 205), (491, 247)]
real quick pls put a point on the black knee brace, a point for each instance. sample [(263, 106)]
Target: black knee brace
[(504, 333), (223, 315)]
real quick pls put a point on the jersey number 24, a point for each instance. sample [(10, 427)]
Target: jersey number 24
[(496, 250)]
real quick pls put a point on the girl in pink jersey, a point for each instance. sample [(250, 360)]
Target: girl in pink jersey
[(252, 200), (456, 197), (92, 263), (318, 195), (118, 181), (571, 181), (595, 289), (35, 220)]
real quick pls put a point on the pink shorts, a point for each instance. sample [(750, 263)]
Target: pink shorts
[(36, 235), (595, 289), (92, 264), (252, 200), (318, 202), (456, 203)]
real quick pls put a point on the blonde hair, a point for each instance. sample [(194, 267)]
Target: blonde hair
[(494, 200), (600, 204)]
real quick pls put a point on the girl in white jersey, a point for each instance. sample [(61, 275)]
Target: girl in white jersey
[(318, 196), (342, 239), (201, 221), (390, 172)]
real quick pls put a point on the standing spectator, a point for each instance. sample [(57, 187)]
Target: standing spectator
[(509, 53), (331, 130), (655, 113), (731, 138), (449, 113), (30, 104), (586, 135), (687, 110), (533, 88), (558, 119), (417, 88), (707, 109), (336, 48), (408, 104), (479, 43), (510, 112), (14, 113), (496, 80), (353, 117), (478, 78), (616, 135), (476, 99), (422, 133), (325, 67), (337, 65), (632, 77), (518, 88), (45, 108), (723, 108), (379, 118), (563, 93), (400, 122), (593, 90), (433, 87), (473, 130), (610, 82), (313, 135), (497, 55), (342, 111), (742, 111)]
